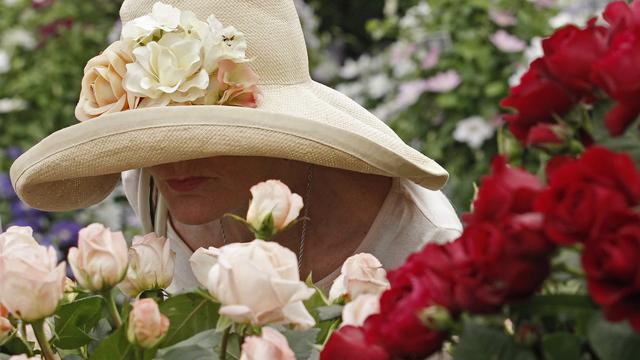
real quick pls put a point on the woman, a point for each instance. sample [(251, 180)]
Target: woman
[(207, 110)]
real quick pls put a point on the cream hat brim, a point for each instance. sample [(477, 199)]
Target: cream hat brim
[(79, 166)]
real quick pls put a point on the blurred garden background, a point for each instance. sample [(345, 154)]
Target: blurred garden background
[(434, 70)]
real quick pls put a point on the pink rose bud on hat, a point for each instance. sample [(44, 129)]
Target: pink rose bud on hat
[(31, 281), (270, 345), (100, 260), (147, 326), (151, 265), (272, 208), (360, 274)]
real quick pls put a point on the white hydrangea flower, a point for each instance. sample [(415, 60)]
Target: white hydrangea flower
[(8, 105), (379, 85), (162, 18), (167, 71), (19, 37), (473, 131), (5, 62)]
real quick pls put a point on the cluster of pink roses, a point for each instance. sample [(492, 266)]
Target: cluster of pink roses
[(577, 64)]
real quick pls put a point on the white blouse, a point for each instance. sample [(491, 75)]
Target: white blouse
[(410, 217)]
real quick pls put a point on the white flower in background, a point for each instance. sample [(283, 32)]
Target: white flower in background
[(502, 17), (415, 16), (533, 52), (5, 62), (473, 131), (379, 85), (354, 90), (402, 51), (404, 68), (350, 69), (507, 43), (31, 281), (256, 282), (269, 345), (309, 23), (272, 197), (409, 93), (151, 265), (443, 82), (163, 17), (327, 70), (167, 71), (16, 236), (10, 3), (8, 105), (360, 274), (147, 325), (19, 37), (357, 311), (100, 260)]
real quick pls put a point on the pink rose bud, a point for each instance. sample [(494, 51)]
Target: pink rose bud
[(100, 260), (270, 345), (6, 329), (273, 198), (360, 274), (151, 265), (147, 326)]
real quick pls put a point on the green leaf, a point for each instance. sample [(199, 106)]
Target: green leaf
[(301, 342), (482, 342), (613, 341), (189, 314), (115, 347), (330, 312), (561, 346), (74, 322), (200, 346), (16, 345)]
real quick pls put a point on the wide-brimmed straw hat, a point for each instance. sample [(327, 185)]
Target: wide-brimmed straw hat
[(285, 114)]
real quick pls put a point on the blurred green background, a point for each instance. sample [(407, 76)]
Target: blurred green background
[(434, 70)]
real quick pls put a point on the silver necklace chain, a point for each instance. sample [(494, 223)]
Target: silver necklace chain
[(305, 220)]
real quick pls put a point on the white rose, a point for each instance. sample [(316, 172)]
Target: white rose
[(162, 18), (151, 265), (223, 43), (31, 281), (16, 236), (100, 260), (273, 197), (167, 71), (360, 274), (358, 310), (269, 345), (147, 325), (201, 262), (258, 282)]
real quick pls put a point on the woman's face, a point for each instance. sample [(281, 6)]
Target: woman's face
[(202, 190)]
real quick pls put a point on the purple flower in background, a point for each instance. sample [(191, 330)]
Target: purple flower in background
[(35, 223), (6, 189), (507, 43), (53, 29), (64, 233), (13, 152), (41, 4), (443, 82), (21, 210), (502, 17)]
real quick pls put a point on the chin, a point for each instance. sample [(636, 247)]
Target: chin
[(194, 211)]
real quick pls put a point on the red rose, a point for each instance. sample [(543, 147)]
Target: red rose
[(398, 327), (621, 16), (505, 191), (547, 135), (570, 52), (538, 97), (582, 192), (351, 342), (611, 261)]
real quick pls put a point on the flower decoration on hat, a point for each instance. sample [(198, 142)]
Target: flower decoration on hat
[(169, 57)]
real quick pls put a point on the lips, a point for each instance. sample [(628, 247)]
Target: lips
[(187, 184)]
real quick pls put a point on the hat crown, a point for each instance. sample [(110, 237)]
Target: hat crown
[(275, 41)]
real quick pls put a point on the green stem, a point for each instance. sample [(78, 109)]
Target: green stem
[(113, 309), (38, 329), (223, 343)]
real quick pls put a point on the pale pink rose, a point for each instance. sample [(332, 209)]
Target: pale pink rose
[(409, 93), (443, 82), (16, 236), (100, 260), (360, 274), (507, 43), (147, 326), (31, 281), (270, 345), (502, 17), (273, 197), (358, 310), (233, 84), (103, 91), (256, 282), (24, 357), (151, 265)]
